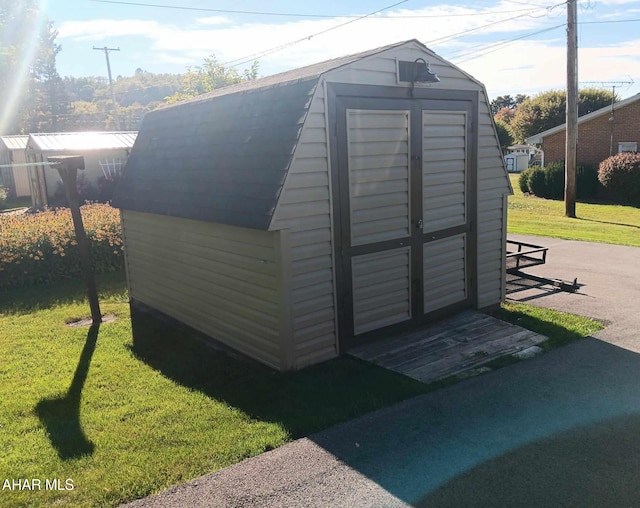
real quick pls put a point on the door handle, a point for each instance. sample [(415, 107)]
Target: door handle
[(419, 223)]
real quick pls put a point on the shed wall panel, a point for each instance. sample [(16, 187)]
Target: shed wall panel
[(312, 253), (220, 280), (309, 223), (493, 183)]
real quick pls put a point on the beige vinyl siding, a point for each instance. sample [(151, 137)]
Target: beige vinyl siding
[(444, 272), (220, 280), (381, 289), (444, 169), (493, 183), (304, 210), (304, 207), (492, 178), (379, 175)]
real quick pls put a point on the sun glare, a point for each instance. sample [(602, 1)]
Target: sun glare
[(25, 60)]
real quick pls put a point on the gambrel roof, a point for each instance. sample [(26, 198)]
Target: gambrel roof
[(223, 157)]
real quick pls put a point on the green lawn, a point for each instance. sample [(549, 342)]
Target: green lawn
[(595, 222), (124, 418)]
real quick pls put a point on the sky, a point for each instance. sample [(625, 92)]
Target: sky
[(512, 46)]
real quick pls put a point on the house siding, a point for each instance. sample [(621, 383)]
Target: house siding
[(221, 280), (305, 206), (594, 136)]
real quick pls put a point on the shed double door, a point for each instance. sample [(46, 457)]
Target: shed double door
[(404, 181)]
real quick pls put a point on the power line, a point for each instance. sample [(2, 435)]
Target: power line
[(498, 45), (302, 15), (249, 58), (611, 21), (458, 35)]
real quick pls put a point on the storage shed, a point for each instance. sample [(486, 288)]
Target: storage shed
[(16, 179), (105, 154), (297, 215)]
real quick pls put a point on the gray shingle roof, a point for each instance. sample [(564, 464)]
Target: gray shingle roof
[(219, 160), (223, 157)]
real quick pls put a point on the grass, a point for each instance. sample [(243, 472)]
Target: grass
[(124, 416), (15, 203), (560, 327), (605, 223)]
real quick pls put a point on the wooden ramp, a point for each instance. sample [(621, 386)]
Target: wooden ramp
[(457, 346)]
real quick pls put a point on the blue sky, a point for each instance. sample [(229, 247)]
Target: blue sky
[(493, 40)]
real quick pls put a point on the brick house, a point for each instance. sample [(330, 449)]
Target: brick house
[(600, 134)]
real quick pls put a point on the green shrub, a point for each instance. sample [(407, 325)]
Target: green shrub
[(537, 182), (553, 181), (551, 185), (620, 176), (41, 247), (586, 181), (523, 180), (4, 193)]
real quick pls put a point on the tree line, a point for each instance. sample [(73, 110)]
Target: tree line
[(35, 98), (520, 117)]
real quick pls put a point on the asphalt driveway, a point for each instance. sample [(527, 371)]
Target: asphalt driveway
[(610, 278), (562, 429)]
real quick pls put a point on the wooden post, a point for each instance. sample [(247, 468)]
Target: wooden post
[(67, 167), (572, 110)]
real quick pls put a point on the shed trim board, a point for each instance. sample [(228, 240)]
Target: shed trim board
[(408, 299)]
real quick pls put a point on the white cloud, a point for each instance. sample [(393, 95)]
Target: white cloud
[(518, 67), (214, 20), (107, 28)]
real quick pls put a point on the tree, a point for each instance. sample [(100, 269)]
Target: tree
[(48, 99), (210, 76), (506, 101), (504, 136), (548, 109), (505, 115)]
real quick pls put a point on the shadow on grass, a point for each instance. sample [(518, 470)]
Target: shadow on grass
[(44, 296), (558, 334), (609, 222), (61, 415), (303, 402)]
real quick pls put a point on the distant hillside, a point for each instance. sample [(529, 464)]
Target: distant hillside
[(91, 106)]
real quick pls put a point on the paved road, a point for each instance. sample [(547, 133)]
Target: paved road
[(610, 275), (562, 429)]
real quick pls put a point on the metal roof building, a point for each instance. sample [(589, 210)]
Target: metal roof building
[(105, 154), (297, 215)]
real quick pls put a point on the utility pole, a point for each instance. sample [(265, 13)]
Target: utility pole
[(572, 110), (113, 95)]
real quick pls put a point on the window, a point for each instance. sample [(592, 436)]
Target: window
[(627, 146)]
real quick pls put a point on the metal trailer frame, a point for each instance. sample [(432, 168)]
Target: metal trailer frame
[(525, 255)]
